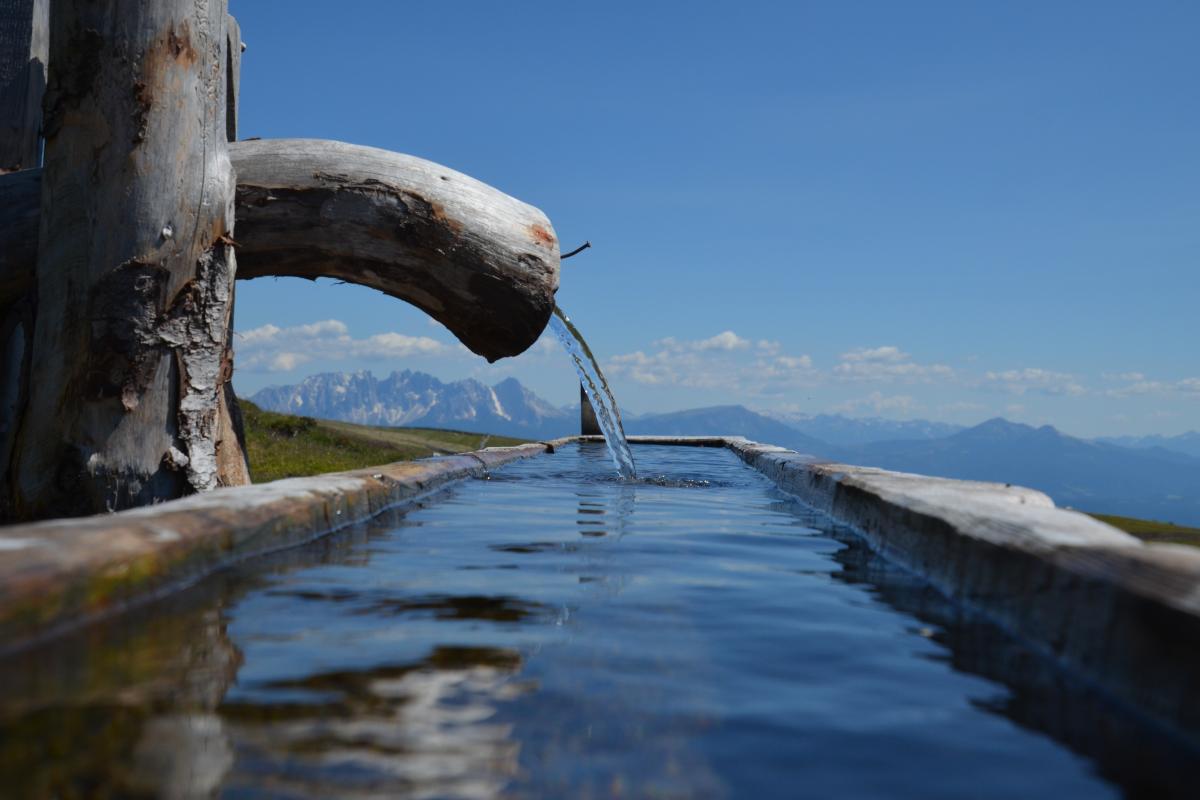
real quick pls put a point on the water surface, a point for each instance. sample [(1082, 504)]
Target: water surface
[(554, 631)]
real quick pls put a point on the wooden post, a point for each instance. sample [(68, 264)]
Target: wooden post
[(233, 467), (588, 425), (24, 49), (233, 76), (135, 266)]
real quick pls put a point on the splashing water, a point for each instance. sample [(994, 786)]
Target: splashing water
[(601, 397)]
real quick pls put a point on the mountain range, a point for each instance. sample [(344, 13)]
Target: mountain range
[(1093, 476), (418, 399), (839, 430), (725, 420), (1153, 477), (1186, 443)]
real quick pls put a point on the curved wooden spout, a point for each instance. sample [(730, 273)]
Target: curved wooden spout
[(482, 263)]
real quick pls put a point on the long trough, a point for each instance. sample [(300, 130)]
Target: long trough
[(1120, 614)]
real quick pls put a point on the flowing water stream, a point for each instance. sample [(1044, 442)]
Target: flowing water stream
[(601, 397)]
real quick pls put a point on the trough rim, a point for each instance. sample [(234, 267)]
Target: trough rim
[(60, 575), (1119, 613)]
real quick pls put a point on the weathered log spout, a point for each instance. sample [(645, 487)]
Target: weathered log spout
[(482, 263)]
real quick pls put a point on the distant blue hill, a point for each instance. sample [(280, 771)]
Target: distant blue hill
[(1093, 476), (1146, 480), (727, 421), (1185, 443), (838, 429)]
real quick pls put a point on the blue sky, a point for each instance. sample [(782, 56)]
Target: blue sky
[(948, 210)]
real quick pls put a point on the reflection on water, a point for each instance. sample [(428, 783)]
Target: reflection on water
[(1134, 753), (554, 632), (422, 728)]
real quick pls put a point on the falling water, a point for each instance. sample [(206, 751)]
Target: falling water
[(607, 413)]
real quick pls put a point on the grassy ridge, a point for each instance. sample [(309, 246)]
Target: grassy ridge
[(1152, 531), (287, 446)]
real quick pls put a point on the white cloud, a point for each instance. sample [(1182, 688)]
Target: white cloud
[(547, 343), (270, 348), (725, 361), (263, 334), (1189, 387), (887, 364), (1123, 376), (1140, 387), (886, 354), (1032, 379), (285, 362), (726, 340), (878, 403), (392, 345), (794, 362)]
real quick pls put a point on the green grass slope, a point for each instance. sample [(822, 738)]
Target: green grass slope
[(1152, 531), (287, 446)]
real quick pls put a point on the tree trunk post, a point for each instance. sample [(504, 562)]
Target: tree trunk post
[(120, 248), (233, 467), (135, 266), (588, 425), (24, 50)]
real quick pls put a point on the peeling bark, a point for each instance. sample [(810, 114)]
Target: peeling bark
[(134, 267)]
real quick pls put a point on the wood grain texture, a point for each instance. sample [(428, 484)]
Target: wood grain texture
[(482, 263), (588, 424), (20, 212), (24, 51), (135, 267), (62, 574), (24, 43), (233, 76)]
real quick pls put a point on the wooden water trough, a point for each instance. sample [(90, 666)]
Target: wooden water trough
[(119, 251), (1121, 616)]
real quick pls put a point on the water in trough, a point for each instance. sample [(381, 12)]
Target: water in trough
[(554, 630)]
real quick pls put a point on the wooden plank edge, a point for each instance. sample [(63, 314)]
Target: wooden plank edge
[(62, 574)]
